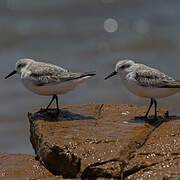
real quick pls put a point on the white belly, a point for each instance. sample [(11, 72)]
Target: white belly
[(51, 89), (148, 92)]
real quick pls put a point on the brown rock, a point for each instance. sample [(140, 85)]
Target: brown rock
[(92, 140), (22, 166), (159, 157)]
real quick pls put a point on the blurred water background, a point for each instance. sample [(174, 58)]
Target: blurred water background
[(82, 35)]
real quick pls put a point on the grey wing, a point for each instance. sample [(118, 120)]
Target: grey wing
[(153, 78), (73, 76), (46, 74)]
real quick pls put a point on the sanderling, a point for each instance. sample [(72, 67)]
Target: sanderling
[(47, 79), (145, 81)]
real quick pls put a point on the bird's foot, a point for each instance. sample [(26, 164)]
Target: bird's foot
[(147, 118), (57, 112), (42, 110), (49, 111), (141, 117)]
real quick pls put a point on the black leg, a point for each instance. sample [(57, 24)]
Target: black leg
[(53, 97), (155, 106), (151, 103), (57, 104)]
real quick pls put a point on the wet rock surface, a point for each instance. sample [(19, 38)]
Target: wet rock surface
[(159, 157), (100, 140), (22, 166)]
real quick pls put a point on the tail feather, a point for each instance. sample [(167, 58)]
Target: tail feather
[(75, 76), (92, 73), (174, 84), (171, 86)]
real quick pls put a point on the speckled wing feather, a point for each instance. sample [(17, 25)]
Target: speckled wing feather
[(149, 77), (46, 74)]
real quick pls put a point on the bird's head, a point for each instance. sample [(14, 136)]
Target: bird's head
[(122, 67), (21, 66)]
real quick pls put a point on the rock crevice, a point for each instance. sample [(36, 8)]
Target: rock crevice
[(99, 140)]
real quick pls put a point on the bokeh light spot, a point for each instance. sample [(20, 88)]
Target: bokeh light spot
[(110, 25)]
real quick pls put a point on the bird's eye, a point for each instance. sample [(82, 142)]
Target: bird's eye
[(125, 66), (20, 65)]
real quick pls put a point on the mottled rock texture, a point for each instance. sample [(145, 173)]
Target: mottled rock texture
[(103, 140), (159, 157), (22, 167)]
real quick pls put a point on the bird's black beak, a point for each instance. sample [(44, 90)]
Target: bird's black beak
[(112, 74), (12, 73)]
